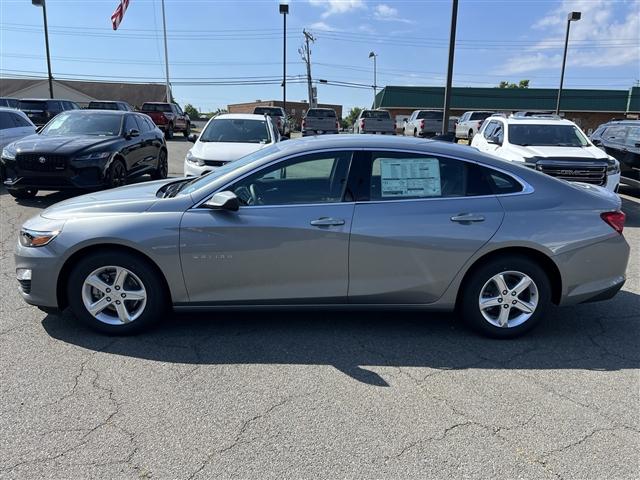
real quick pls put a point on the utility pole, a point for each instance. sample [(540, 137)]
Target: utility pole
[(166, 54), (284, 10), (452, 48), (41, 3), (305, 52)]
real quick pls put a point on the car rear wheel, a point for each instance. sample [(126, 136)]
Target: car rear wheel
[(117, 175), (23, 193), (162, 170), (470, 136), (187, 130), (505, 297), (116, 293), (169, 133)]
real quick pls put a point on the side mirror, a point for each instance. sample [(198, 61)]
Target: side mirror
[(223, 201), (192, 138), (133, 133), (597, 143), (495, 139)]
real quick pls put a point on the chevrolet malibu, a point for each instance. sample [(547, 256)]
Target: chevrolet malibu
[(328, 222)]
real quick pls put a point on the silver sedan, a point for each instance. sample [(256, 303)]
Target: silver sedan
[(331, 222)]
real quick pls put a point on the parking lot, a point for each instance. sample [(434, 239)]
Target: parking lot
[(318, 394)]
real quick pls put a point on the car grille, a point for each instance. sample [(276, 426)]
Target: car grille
[(39, 162), (214, 163), (595, 174), (25, 286)]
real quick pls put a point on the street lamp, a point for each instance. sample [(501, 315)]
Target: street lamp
[(41, 3), (375, 83), (284, 10), (572, 17)]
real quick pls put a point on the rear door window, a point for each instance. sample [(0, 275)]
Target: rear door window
[(20, 121), (633, 137), (615, 134)]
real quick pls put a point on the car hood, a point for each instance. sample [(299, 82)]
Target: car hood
[(223, 151), (541, 152), (64, 145), (135, 198)]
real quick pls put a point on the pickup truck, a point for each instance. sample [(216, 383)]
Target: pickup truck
[(375, 121), (169, 117), (470, 123), (278, 117), (319, 121), (426, 123)]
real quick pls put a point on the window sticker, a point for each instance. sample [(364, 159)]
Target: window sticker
[(410, 177)]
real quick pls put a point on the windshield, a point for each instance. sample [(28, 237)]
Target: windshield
[(375, 114), (236, 130), (271, 111), (156, 107), (32, 105), (200, 182), (103, 125), (102, 106), (547, 135), (321, 113)]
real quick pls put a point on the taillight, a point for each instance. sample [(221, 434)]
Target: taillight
[(615, 220), (304, 123), (394, 126), (337, 125), (362, 124), (422, 123)]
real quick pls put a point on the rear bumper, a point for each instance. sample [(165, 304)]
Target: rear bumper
[(594, 272)]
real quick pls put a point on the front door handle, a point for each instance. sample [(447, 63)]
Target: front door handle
[(327, 222), (467, 217)]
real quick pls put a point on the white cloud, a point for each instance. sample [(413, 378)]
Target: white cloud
[(332, 7), (322, 26), (599, 39), (386, 13)]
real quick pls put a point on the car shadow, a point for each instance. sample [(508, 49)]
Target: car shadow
[(601, 336)]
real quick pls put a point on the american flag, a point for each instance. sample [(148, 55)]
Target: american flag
[(118, 14)]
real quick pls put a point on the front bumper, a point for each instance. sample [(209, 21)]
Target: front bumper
[(45, 264), (83, 174), (194, 170)]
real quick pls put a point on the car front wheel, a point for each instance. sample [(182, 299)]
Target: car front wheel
[(116, 293), (169, 133), (187, 130), (162, 170), (505, 297)]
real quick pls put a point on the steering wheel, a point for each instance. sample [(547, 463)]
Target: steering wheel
[(245, 195), (255, 197)]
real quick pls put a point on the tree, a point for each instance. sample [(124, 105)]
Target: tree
[(191, 111), (350, 119), (520, 84)]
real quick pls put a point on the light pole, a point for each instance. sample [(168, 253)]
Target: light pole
[(572, 17), (41, 3), (375, 83), (452, 49), (284, 10)]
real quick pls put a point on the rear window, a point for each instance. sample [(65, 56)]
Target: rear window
[(376, 114), (271, 111), (102, 106), (430, 115), (321, 113), (156, 107), (32, 105)]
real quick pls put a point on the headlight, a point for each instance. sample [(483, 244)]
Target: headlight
[(8, 153), (193, 159), (613, 166), (94, 156), (31, 238)]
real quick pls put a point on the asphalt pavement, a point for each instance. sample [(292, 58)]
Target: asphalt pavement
[(287, 395)]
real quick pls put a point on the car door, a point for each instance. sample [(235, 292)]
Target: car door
[(287, 243), (149, 151), (132, 150), (417, 220)]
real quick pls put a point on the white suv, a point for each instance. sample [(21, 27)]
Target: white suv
[(551, 145)]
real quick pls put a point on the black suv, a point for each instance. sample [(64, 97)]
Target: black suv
[(40, 110), (109, 105), (621, 139)]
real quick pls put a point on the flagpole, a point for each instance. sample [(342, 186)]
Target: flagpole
[(166, 54)]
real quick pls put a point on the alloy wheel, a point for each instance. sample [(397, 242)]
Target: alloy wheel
[(114, 295), (508, 299), (118, 174)]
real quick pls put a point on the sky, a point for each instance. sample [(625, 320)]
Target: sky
[(220, 41)]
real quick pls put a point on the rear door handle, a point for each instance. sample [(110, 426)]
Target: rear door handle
[(467, 217), (327, 222)]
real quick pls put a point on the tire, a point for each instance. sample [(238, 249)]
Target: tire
[(470, 136), (23, 193), (169, 133), (117, 174), (415, 132), (481, 282), (162, 170), (187, 130), (139, 278)]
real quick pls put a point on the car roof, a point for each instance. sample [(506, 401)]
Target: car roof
[(511, 120), (98, 111), (45, 100), (107, 101), (625, 121), (240, 116), (14, 110)]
